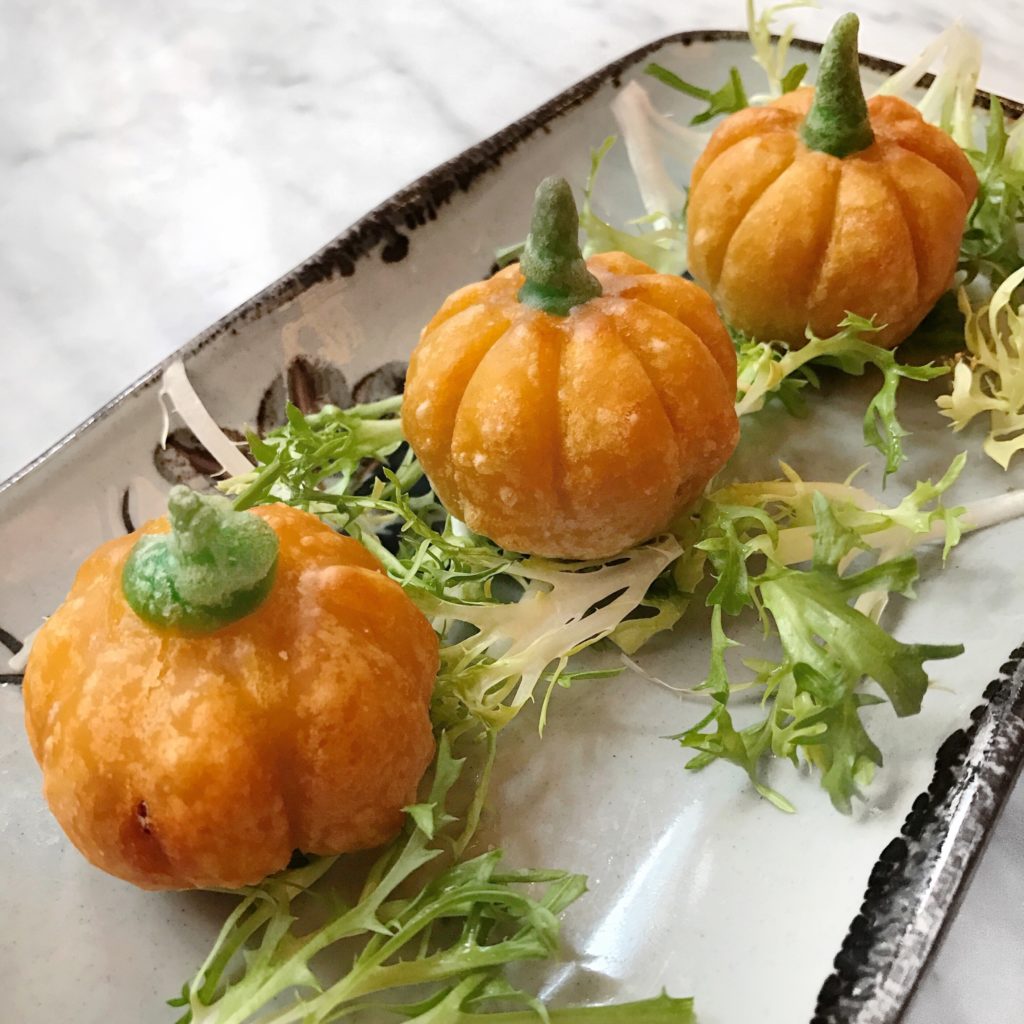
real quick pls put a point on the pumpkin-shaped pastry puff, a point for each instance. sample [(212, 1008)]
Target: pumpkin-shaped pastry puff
[(820, 203), (221, 690), (571, 409)]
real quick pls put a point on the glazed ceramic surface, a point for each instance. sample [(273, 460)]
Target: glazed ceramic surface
[(696, 885)]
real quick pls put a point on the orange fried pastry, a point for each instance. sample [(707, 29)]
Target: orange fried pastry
[(819, 204), (571, 409), (246, 685)]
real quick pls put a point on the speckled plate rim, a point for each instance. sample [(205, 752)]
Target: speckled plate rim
[(921, 875)]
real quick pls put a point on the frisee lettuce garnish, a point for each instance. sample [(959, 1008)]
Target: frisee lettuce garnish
[(770, 52), (329, 446), (815, 563), (563, 610), (435, 953), (991, 245), (727, 100), (955, 56), (670, 595), (510, 625), (770, 368), (989, 378)]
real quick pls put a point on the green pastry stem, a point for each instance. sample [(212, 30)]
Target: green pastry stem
[(556, 275), (838, 121), (213, 568)]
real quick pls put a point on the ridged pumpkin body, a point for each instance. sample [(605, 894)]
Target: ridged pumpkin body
[(573, 436), (178, 761), (785, 237)]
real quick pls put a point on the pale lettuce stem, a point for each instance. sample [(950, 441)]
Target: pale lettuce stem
[(479, 797), (639, 122), (239, 1009), (369, 411), (901, 83), (660, 1010), (768, 374), (175, 385), (375, 976), (264, 480), (383, 407), (978, 515), (796, 543), (373, 544), (376, 434), (235, 933)]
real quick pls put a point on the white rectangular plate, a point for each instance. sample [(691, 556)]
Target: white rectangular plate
[(696, 885)]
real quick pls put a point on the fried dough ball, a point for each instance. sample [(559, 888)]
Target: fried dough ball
[(821, 204), (177, 759), (567, 408)]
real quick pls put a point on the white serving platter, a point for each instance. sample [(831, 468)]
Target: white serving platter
[(697, 885)]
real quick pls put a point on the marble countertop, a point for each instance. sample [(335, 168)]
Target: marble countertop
[(163, 162)]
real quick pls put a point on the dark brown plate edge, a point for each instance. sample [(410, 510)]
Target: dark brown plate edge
[(922, 875), (886, 949)]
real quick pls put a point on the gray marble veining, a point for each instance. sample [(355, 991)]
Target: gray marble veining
[(162, 162)]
